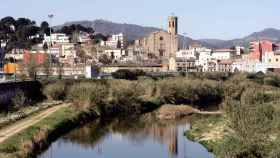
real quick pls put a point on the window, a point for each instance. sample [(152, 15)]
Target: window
[(161, 38), (277, 60), (269, 60)]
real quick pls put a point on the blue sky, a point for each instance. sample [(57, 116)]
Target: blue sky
[(223, 19)]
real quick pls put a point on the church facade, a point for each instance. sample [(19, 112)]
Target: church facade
[(162, 44)]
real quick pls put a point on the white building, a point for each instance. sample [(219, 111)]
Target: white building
[(223, 54), (67, 53), (16, 54), (117, 41), (56, 38), (204, 58), (116, 54), (55, 50), (186, 53)]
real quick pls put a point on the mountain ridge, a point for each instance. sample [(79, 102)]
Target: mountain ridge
[(134, 31)]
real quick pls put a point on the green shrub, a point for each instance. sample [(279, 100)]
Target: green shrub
[(257, 77), (19, 99), (272, 81), (55, 91), (126, 96), (87, 94), (128, 74), (189, 91), (216, 76)]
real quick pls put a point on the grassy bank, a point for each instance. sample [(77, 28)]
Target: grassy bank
[(250, 124), (39, 136), (208, 130)]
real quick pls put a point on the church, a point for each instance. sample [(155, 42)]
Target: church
[(162, 44)]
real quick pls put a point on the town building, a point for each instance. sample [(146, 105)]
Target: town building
[(39, 57), (224, 66), (259, 48), (16, 54), (56, 38), (223, 54), (204, 58), (67, 53), (145, 67), (162, 44), (118, 41), (272, 58), (186, 53), (116, 54), (186, 65)]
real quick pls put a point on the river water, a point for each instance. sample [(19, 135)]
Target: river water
[(131, 138)]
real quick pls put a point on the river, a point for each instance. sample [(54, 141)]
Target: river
[(130, 138)]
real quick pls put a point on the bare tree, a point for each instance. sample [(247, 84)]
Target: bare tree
[(32, 67)]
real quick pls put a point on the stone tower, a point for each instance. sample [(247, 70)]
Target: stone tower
[(173, 25)]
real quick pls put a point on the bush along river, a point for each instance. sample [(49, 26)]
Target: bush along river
[(136, 137)]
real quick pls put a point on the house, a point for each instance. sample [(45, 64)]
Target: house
[(186, 65), (16, 54), (56, 38), (39, 57), (144, 67), (204, 58), (259, 48), (186, 53), (224, 66), (116, 41), (223, 54), (116, 54)]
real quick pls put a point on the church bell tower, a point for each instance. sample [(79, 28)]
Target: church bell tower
[(173, 25)]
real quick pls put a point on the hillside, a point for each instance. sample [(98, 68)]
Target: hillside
[(133, 32)]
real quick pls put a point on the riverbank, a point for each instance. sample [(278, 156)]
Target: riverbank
[(243, 101), (208, 130), (39, 136)]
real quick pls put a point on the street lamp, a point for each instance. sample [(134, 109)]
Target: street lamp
[(50, 16)]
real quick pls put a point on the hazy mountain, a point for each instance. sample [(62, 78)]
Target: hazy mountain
[(130, 30), (133, 32), (268, 34), (107, 27)]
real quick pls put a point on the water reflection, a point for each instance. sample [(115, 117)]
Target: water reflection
[(136, 137)]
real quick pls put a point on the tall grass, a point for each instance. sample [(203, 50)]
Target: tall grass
[(190, 91), (87, 94), (55, 91)]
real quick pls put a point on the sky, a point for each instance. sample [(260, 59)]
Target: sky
[(220, 19)]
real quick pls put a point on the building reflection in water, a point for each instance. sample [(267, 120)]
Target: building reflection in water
[(167, 135), (94, 135)]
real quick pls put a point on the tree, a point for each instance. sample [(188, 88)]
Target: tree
[(45, 46), (32, 67), (60, 71), (17, 33), (20, 22), (47, 67), (128, 74), (8, 21), (104, 59), (82, 55), (74, 31), (99, 37), (45, 28)]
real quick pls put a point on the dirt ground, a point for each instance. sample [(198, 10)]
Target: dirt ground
[(19, 126)]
